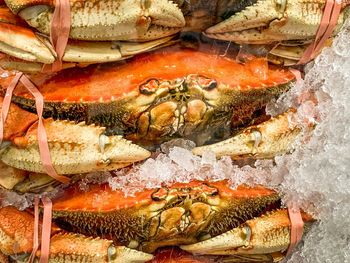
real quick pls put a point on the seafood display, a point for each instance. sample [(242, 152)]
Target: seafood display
[(134, 75)]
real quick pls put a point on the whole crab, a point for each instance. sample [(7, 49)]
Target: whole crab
[(153, 98), (201, 217)]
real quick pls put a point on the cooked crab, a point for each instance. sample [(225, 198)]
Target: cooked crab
[(34, 50), (171, 93), (191, 215), (153, 98), (74, 148), (21, 181)]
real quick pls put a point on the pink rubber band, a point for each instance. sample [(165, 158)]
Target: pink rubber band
[(332, 24), (59, 31), (328, 22), (297, 75), (296, 228), (6, 104), (46, 230), (42, 136), (36, 231)]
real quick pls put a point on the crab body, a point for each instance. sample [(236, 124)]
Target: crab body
[(172, 93), (181, 214)]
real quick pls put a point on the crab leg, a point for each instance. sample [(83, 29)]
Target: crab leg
[(266, 140), (263, 235), (16, 238)]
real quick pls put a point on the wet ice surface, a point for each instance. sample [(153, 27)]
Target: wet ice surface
[(316, 176)]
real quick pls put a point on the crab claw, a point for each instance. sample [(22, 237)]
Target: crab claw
[(266, 140), (267, 234), (16, 231), (27, 51), (21, 42), (74, 148), (87, 249), (115, 20), (16, 240), (268, 21)]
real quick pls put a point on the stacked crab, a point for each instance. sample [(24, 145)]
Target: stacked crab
[(108, 106)]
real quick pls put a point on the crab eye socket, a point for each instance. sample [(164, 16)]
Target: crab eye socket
[(149, 87), (206, 83)]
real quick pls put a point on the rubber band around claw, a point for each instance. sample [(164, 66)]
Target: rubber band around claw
[(328, 23), (296, 228), (42, 136), (46, 231), (59, 33)]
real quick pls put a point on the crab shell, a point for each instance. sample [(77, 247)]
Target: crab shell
[(106, 20), (171, 93)]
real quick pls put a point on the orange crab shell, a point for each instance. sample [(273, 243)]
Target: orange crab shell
[(106, 83), (11, 23), (12, 128), (103, 198), (9, 218)]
